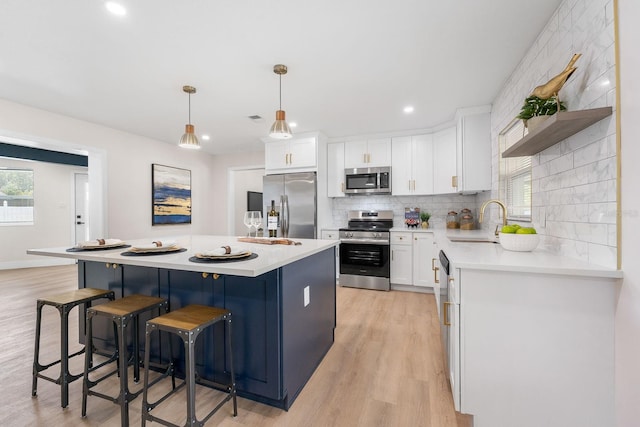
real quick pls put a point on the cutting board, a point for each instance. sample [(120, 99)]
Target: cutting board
[(268, 241)]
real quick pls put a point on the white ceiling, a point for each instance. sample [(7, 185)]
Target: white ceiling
[(353, 65)]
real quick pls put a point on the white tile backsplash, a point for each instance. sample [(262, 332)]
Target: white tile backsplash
[(574, 181)]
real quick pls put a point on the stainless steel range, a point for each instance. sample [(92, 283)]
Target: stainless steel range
[(364, 250)]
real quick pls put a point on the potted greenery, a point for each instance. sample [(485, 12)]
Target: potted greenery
[(424, 217), (536, 107)]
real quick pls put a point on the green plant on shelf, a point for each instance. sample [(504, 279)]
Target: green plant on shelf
[(424, 216), (534, 106)]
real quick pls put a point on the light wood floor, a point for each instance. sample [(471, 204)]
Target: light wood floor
[(384, 369)]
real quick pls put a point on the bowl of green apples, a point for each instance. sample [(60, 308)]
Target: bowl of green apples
[(513, 237)]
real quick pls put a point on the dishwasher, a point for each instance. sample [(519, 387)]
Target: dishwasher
[(450, 327)]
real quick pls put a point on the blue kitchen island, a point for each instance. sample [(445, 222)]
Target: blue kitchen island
[(283, 304)]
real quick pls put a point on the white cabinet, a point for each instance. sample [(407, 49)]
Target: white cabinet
[(473, 160), (444, 161), (367, 154), (401, 258), (423, 249), (335, 169), (292, 155), (333, 234), (411, 258), (514, 332), (411, 163)]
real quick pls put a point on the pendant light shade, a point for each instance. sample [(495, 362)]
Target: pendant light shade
[(189, 139), (280, 129)]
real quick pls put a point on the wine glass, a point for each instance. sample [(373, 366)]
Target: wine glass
[(247, 221), (256, 220)]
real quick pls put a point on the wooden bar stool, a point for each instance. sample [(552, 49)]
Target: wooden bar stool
[(188, 322), (122, 312), (64, 302)]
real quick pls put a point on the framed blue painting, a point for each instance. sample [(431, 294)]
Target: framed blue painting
[(171, 194)]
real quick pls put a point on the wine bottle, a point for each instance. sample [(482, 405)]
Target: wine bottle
[(272, 221)]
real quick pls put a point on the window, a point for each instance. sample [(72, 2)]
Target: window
[(16, 196), (515, 174)]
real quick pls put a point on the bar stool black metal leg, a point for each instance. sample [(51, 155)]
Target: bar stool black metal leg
[(64, 355), (36, 353), (88, 363), (232, 372), (190, 376), (123, 398)]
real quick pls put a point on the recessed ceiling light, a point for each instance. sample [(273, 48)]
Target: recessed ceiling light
[(408, 109), (115, 8), (293, 124), (205, 137)]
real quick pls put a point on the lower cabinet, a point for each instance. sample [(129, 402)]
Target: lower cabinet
[(401, 259), (411, 258)]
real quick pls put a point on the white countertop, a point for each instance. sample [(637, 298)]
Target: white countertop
[(269, 257), (491, 256)]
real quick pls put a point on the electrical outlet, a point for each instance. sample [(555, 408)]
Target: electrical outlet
[(306, 296)]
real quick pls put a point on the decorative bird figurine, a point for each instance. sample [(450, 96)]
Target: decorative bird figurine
[(553, 86)]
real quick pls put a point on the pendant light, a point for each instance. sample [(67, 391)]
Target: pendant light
[(280, 129), (189, 139)]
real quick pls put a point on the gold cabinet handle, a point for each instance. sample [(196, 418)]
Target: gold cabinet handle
[(290, 158), (115, 266), (342, 187), (205, 275), (454, 181), (409, 184), (216, 276), (107, 265), (446, 311), (435, 275), (433, 263), (364, 157)]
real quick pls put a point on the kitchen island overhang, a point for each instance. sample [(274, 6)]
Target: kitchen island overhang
[(283, 304)]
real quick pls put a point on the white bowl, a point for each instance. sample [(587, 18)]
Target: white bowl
[(519, 242)]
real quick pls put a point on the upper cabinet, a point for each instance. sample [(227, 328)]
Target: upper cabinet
[(335, 169), (367, 154), (291, 155), (411, 165), (473, 159), (444, 161)]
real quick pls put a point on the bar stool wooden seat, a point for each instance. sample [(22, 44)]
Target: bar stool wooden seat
[(188, 322), (64, 302), (122, 312)]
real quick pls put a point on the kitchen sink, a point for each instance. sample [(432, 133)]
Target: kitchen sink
[(479, 239)]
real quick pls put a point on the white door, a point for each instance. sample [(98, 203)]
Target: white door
[(81, 213)]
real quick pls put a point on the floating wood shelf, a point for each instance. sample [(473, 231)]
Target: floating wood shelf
[(556, 128)]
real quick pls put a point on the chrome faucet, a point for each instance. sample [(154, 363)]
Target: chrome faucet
[(499, 203)]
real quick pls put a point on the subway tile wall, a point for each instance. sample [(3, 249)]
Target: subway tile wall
[(438, 206), (574, 181)]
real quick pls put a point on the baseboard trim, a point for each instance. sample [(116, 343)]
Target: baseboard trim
[(45, 262)]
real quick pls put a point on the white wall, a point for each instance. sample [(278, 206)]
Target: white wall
[(627, 348), (53, 213), (219, 185), (243, 180), (127, 171), (574, 181)]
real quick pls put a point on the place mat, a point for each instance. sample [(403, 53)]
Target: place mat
[(97, 248), (174, 251), (216, 260)]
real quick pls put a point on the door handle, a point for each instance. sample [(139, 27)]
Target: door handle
[(446, 310)]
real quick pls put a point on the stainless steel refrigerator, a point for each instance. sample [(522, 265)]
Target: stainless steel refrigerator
[(295, 197)]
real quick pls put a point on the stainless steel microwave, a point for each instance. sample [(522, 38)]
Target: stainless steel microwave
[(367, 180)]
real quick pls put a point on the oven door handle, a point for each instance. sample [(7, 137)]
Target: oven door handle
[(366, 241)]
